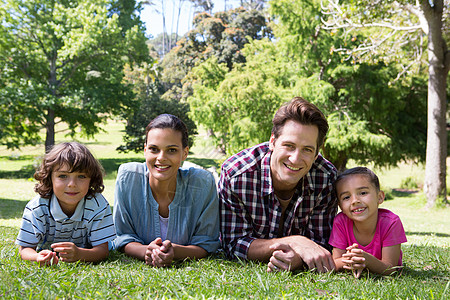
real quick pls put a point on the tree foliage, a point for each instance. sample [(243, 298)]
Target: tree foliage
[(372, 116), (63, 62), (238, 105), (149, 89), (403, 31), (222, 35)]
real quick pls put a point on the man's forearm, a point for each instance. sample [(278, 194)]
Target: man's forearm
[(260, 250)]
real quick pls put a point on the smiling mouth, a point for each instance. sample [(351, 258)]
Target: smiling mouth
[(71, 193), (162, 167), (358, 210), (291, 168)]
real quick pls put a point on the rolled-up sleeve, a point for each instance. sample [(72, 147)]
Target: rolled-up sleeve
[(206, 234), (124, 211), (235, 229)]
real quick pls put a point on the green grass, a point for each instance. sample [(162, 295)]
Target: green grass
[(426, 254)]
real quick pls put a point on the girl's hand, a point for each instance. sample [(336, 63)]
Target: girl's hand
[(68, 251), (354, 260), (47, 258)]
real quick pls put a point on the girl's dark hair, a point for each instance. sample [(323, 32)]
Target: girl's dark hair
[(77, 158), (169, 121), (373, 178), (303, 112)]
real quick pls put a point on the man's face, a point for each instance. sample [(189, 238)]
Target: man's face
[(293, 154)]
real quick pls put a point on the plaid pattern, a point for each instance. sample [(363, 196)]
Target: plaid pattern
[(249, 209)]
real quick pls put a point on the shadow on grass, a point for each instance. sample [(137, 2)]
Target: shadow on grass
[(24, 173), (17, 157), (204, 162), (11, 209), (399, 193), (109, 164), (112, 164), (425, 275), (438, 234)]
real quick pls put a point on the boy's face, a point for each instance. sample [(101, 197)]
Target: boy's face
[(69, 188), (359, 198), (293, 153)]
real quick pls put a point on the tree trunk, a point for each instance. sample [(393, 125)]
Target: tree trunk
[(50, 128), (435, 168)]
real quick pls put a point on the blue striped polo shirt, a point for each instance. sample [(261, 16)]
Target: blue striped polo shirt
[(44, 223)]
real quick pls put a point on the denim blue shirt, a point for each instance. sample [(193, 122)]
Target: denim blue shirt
[(193, 213)]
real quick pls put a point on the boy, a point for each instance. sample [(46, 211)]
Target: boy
[(69, 220)]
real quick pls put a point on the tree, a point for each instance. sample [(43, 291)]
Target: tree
[(148, 90), (222, 35), (158, 43), (63, 62), (372, 116), (400, 23)]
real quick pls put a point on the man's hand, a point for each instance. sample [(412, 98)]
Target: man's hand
[(312, 254), (283, 258), (68, 251)]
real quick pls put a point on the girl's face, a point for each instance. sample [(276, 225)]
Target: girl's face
[(164, 154), (69, 187), (358, 198)]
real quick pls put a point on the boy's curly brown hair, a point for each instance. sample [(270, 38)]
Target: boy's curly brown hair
[(77, 158)]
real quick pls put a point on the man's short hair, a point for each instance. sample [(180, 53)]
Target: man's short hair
[(303, 112)]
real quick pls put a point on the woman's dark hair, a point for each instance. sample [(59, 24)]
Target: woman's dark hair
[(169, 121), (303, 112), (77, 158)]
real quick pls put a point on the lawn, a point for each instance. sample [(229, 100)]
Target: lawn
[(426, 254)]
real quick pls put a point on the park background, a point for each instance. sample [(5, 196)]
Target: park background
[(91, 71)]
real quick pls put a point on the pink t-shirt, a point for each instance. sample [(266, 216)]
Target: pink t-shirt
[(389, 232)]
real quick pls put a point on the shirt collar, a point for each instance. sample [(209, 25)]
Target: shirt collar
[(267, 187), (308, 179), (58, 213)]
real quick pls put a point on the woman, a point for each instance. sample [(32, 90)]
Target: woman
[(163, 213)]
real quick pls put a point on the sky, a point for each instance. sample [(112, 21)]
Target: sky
[(154, 21)]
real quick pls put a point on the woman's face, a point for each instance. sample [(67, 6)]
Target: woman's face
[(164, 153)]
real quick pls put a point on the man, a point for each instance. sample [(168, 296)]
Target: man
[(276, 198)]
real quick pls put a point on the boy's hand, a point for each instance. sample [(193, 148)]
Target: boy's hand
[(47, 258), (68, 251)]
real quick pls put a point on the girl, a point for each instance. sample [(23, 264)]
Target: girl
[(163, 213), (69, 220), (363, 235)]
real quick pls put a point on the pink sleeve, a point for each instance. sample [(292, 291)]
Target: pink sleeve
[(394, 233)]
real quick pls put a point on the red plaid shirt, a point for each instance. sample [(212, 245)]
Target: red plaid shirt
[(249, 209)]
